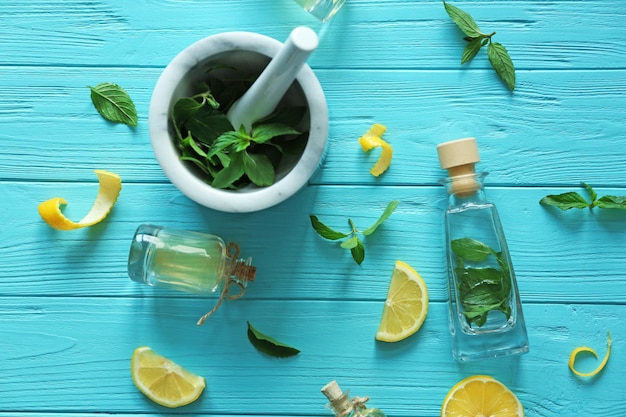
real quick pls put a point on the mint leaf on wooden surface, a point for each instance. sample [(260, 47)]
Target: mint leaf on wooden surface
[(114, 104), (499, 57), (572, 199), (611, 202), (565, 201), (502, 63), (463, 20), (353, 243), (269, 345)]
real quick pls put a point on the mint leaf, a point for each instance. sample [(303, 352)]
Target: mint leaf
[(358, 252), (325, 231), (471, 50), (391, 207), (463, 20), (611, 202), (258, 168), (565, 201), (263, 133), (269, 345), (227, 176), (354, 243), (470, 249), (114, 104), (502, 63), (592, 194)]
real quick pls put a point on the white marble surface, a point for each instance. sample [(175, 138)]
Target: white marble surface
[(241, 48)]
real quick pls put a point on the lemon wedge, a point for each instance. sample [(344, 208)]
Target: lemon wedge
[(372, 139), (110, 187), (585, 349), (163, 381), (481, 395), (406, 306)]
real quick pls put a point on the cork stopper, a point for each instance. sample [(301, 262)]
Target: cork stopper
[(458, 157), (332, 391)]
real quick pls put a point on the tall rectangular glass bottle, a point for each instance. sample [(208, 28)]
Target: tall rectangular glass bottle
[(486, 318)]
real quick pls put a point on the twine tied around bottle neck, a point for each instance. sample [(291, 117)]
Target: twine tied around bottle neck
[(235, 269), (355, 404)]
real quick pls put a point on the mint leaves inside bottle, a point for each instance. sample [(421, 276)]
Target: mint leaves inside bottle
[(476, 39), (572, 199), (484, 285)]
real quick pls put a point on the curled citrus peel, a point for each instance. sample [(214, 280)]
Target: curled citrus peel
[(372, 139), (585, 349), (110, 187)]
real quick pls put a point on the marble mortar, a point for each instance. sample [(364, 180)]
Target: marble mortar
[(250, 52)]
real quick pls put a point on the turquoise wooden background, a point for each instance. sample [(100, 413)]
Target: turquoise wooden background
[(70, 318)]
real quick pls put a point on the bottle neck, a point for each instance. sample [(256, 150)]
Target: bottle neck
[(465, 189), (238, 269)]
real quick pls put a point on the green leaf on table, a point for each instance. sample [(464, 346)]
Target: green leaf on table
[(463, 20), (113, 103), (565, 201), (471, 49), (325, 231), (358, 252), (471, 249), (258, 168), (269, 345), (391, 207), (592, 193), (611, 202), (502, 63), (353, 243)]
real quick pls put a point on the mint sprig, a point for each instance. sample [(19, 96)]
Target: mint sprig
[(352, 240), (572, 199), (498, 55)]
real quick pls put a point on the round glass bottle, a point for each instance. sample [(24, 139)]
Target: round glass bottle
[(182, 260)]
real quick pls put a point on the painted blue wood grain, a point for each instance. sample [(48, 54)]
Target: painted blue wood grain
[(558, 129), (82, 340), (70, 317), (561, 257)]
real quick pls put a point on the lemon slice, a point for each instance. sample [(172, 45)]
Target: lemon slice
[(110, 187), (372, 139), (406, 306), (162, 380), (481, 395), (581, 349)]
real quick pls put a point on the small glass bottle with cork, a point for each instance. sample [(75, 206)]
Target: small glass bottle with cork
[(486, 318), (187, 261), (343, 406)]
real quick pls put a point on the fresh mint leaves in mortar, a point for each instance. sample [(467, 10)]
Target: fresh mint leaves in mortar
[(232, 158)]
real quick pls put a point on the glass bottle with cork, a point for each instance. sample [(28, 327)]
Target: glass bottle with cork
[(486, 318), (192, 262), (343, 406)]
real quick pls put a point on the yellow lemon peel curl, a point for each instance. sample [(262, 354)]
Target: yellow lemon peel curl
[(585, 349), (372, 139), (108, 192)]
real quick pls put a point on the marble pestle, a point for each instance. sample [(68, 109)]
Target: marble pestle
[(266, 92)]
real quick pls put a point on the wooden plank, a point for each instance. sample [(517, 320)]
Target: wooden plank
[(408, 34), (560, 128), (72, 355), (562, 257)]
